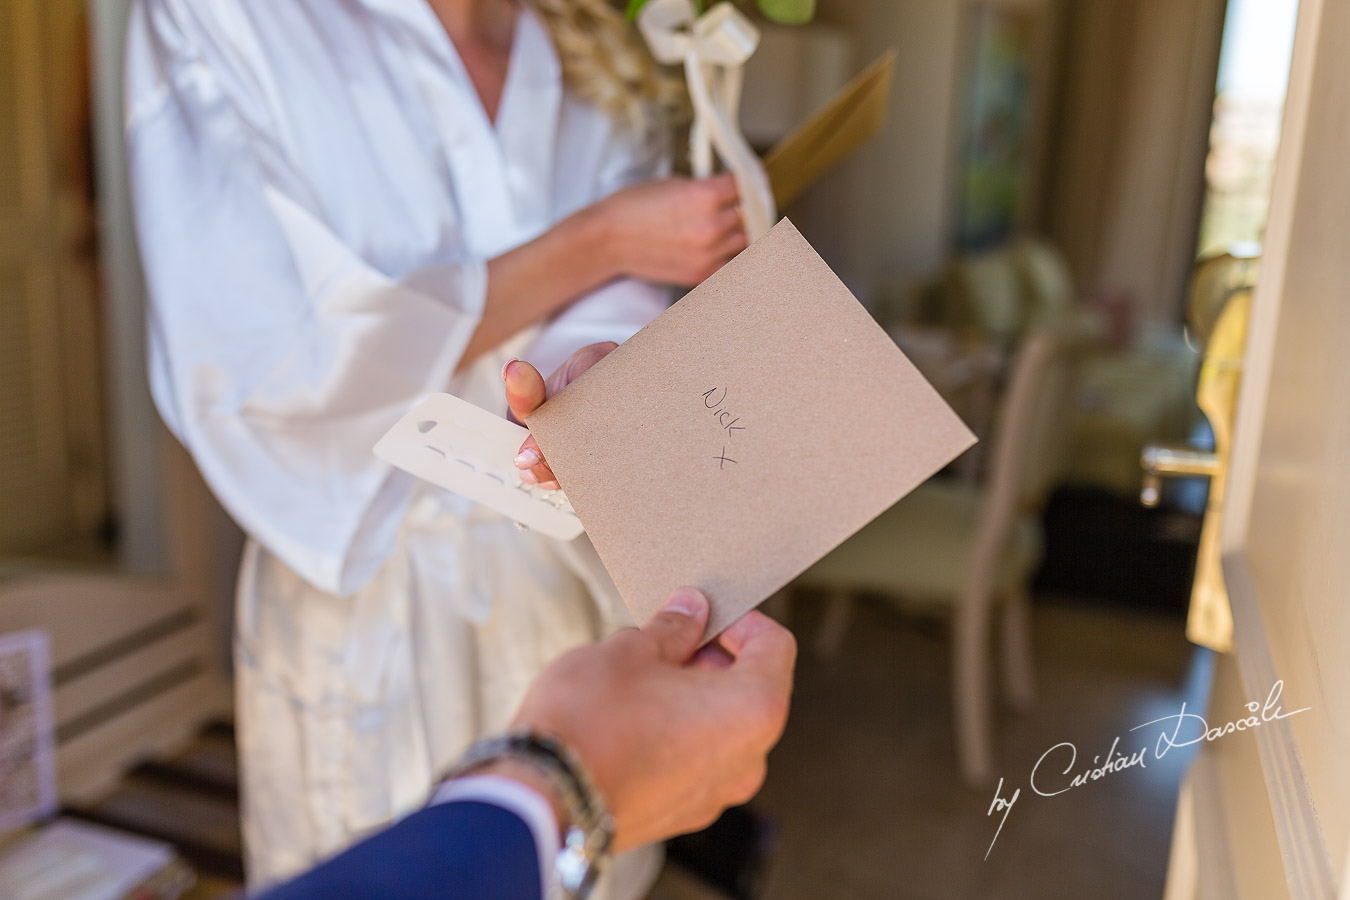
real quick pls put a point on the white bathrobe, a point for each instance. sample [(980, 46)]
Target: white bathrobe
[(317, 191)]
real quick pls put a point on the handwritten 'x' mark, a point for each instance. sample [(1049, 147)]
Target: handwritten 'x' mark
[(724, 459)]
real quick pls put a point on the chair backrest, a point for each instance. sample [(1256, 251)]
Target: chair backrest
[(1032, 436), (1003, 293), (1047, 283), (983, 295)]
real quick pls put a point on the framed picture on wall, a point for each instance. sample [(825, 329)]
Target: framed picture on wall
[(995, 125)]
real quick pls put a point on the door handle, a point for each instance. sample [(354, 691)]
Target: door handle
[(1161, 461), (1210, 621)]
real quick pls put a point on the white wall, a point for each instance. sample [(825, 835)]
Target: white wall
[(1118, 141), (896, 190), (884, 218)]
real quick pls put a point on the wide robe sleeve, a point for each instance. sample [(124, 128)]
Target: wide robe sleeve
[(278, 355), (616, 311)]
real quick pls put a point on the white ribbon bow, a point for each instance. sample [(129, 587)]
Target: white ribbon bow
[(714, 47)]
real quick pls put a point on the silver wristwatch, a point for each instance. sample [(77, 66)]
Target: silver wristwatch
[(586, 839)]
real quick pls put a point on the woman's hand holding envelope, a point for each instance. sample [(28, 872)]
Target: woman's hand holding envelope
[(526, 391)]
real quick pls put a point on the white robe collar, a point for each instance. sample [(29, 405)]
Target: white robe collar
[(503, 174)]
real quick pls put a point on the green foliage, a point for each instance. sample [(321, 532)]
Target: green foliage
[(789, 12)]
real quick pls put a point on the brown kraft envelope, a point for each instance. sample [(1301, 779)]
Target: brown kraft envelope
[(744, 433), (854, 116)]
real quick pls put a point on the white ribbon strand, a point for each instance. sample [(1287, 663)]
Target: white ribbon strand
[(713, 48)]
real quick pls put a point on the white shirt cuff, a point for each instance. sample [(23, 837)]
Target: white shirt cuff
[(531, 806)]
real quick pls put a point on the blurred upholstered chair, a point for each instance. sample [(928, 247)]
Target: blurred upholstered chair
[(1047, 283), (965, 549), (1002, 294), (982, 296)]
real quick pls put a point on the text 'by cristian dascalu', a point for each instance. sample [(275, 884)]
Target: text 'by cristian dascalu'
[(728, 423), (1062, 771)]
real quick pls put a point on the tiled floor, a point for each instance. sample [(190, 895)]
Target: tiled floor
[(864, 786)]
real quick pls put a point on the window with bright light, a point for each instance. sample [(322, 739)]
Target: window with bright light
[(1258, 43)]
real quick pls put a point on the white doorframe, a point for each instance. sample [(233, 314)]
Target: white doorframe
[(1309, 866), (134, 426), (1309, 869), (1261, 331)]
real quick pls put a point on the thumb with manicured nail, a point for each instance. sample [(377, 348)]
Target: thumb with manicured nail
[(525, 391)]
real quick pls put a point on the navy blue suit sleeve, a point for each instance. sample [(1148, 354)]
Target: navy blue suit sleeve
[(467, 849)]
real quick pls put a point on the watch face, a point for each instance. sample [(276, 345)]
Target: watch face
[(571, 863)]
